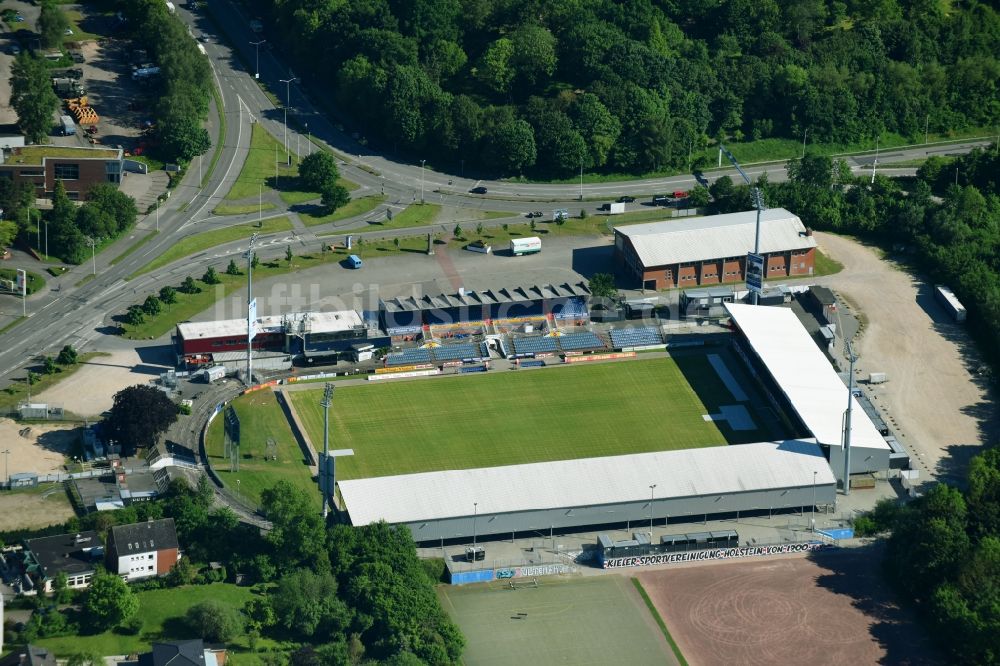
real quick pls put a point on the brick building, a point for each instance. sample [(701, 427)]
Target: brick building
[(712, 250), (143, 550), (78, 168)]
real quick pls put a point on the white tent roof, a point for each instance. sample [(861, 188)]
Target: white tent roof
[(804, 374), (585, 482), (716, 236)]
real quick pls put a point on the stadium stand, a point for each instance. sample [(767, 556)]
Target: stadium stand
[(635, 337), (534, 345), (484, 350), (578, 341), (455, 352), (409, 357)]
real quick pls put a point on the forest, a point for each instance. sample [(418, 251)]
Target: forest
[(547, 87)]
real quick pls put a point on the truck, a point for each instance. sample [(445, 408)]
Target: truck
[(214, 373), (519, 246), (613, 208), (877, 378), (68, 127), (946, 297), (67, 87)]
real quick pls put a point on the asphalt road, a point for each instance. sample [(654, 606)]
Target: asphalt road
[(68, 314)]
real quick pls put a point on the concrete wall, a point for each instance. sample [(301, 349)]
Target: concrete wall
[(568, 517)]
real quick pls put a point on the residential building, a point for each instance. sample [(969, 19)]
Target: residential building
[(29, 655), (143, 550), (78, 168), (76, 555), (179, 653)]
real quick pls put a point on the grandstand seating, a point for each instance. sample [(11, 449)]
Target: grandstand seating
[(409, 357), (573, 308), (635, 337), (534, 345), (455, 352), (578, 341), (484, 350)]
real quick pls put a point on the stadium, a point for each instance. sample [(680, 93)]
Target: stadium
[(750, 424)]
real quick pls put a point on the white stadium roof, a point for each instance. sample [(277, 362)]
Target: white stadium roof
[(586, 482), (716, 236), (804, 374)]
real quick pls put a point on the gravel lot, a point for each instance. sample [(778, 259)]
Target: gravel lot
[(934, 396), (41, 449)]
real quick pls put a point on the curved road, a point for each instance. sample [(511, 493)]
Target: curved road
[(68, 314)]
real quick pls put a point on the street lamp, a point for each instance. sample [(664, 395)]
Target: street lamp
[(422, 162), (652, 487), (581, 180), (288, 102), (6, 472), (46, 237), (805, 133), (814, 503), (475, 514), (93, 252), (257, 45)]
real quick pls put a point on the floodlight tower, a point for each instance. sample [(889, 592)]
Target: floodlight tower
[(324, 460), (847, 419), (758, 203), (251, 309)]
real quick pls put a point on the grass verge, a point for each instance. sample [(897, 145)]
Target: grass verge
[(414, 215), (242, 209), (354, 207), (825, 265), (567, 419), (17, 390), (660, 622), (261, 419), (12, 324), (217, 153), (265, 166), (209, 239), (135, 246)]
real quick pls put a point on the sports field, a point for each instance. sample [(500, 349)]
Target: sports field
[(600, 621), (261, 418), (512, 417)]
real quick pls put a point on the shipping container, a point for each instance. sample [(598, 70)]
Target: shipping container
[(519, 246), (950, 302)]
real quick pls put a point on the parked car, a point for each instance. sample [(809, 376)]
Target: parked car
[(13, 49), (626, 199), (536, 213), (478, 190)]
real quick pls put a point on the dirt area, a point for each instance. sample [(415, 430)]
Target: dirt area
[(91, 389), (44, 506), (934, 397), (42, 448), (829, 609)]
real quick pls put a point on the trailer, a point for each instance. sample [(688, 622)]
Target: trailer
[(68, 127), (215, 373), (615, 208), (519, 246), (877, 378), (946, 297)]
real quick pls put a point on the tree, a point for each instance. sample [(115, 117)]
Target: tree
[(114, 204), (179, 128), (333, 196), (68, 355), (457, 233), (134, 315), (110, 602), (232, 268), (189, 286), (297, 535), (52, 23), (307, 605), (60, 586), (151, 306), (215, 622), (50, 366), (254, 261), (699, 197), (602, 285), (210, 276), (168, 295), (288, 254), (139, 415), (32, 97), (8, 232), (317, 170)]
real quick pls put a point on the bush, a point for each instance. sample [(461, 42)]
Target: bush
[(215, 622), (864, 526), (131, 626)]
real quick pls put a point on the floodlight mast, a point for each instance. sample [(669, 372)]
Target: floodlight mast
[(758, 203), (324, 476), (253, 241)]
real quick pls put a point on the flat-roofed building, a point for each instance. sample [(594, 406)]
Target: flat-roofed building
[(712, 250), (77, 167)]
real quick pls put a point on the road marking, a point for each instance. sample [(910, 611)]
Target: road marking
[(225, 176)]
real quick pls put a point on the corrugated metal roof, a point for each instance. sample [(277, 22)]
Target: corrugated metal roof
[(586, 482), (517, 294), (805, 375), (716, 236)]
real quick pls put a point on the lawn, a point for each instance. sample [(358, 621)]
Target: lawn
[(353, 207), (260, 418), (511, 417), (242, 209), (414, 215), (824, 265), (35, 281), (559, 622), (209, 239), (162, 612)]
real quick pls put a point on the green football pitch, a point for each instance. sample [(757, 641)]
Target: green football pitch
[(600, 620), (515, 417)]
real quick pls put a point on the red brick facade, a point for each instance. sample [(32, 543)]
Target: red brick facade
[(78, 174)]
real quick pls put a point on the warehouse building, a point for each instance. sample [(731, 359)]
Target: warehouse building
[(403, 316), (800, 381), (712, 250), (706, 483)]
